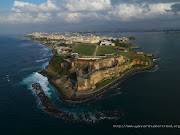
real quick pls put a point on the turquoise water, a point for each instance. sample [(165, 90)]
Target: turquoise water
[(145, 98)]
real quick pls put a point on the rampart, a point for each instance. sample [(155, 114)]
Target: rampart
[(91, 70)]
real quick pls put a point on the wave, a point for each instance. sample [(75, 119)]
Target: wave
[(37, 78), (45, 65), (156, 59), (46, 49), (41, 60), (156, 69), (118, 93), (46, 54)]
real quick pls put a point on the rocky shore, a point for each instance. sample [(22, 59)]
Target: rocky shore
[(85, 96)]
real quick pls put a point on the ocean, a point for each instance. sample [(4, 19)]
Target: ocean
[(148, 98)]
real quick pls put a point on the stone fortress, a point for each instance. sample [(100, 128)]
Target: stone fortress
[(91, 70)]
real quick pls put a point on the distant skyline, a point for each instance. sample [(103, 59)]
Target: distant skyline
[(26, 16)]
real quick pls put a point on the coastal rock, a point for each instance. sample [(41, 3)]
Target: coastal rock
[(49, 108)]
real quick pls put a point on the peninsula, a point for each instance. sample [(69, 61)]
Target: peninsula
[(86, 65)]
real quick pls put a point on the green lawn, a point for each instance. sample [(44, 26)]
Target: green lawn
[(112, 49), (84, 49), (106, 50)]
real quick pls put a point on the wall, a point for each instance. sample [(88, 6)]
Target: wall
[(106, 73), (93, 65)]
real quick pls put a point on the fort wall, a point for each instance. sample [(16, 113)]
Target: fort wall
[(91, 70), (90, 65), (90, 81)]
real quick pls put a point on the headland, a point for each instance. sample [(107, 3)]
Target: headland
[(85, 66)]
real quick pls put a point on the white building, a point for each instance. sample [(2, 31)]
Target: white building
[(107, 43)]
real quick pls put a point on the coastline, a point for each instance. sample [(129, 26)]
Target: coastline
[(89, 95)]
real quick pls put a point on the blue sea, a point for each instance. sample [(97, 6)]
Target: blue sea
[(144, 98)]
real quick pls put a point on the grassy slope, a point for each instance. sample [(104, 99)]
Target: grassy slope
[(105, 82), (84, 49), (110, 49), (54, 65)]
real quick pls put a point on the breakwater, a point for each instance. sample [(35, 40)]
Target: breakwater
[(49, 108)]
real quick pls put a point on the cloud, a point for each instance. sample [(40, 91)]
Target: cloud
[(88, 5), (43, 17), (27, 7), (129, 12), (24, 12), (70, 17), (48, 12), (21, 4), (19, 18), (94, 13), (79, 17)]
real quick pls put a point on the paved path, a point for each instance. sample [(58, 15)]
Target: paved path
[(96, 50)]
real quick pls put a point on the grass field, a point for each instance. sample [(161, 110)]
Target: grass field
[(111, 49), (84, 49)]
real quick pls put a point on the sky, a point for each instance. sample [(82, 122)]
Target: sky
[(26, 16)]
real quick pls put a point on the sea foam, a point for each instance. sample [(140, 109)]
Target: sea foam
[(37, 78), (155, 69)]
